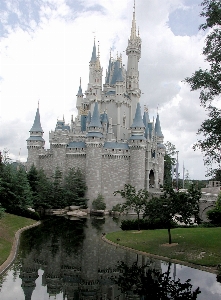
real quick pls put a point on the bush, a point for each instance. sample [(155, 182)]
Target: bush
[(22, 212), (144, 224), (99, 203), (214, 216)]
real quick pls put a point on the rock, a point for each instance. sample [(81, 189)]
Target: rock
[(74, 207)]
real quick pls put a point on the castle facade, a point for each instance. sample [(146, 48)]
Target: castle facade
[(109, 140)]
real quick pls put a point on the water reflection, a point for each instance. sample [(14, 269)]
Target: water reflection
[(68, 260)]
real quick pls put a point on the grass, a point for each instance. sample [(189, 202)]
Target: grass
[(199, 246), (9, 224)]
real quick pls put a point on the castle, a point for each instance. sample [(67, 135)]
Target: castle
[(109, 140)]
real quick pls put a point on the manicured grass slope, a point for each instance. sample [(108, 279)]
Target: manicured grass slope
[(9, 224), (200, 246)]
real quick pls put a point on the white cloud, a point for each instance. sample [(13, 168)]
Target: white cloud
[(45, 64)]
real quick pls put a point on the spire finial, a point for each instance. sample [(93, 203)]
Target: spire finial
[(38, 103), (110, 52), (134, 6), (98, 47), (80, 81)]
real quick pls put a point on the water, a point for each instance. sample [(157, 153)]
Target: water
[(63, 259)]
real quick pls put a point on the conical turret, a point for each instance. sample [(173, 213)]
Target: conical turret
[(158, 131), (94, 55)]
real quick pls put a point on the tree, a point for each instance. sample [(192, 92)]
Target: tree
[(58, 190), (75, 188), (208, 82), (169, 161), (135, 200), (174, 205), (214, 215), (99, 203)]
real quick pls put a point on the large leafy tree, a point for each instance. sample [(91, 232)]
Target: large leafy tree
[(135, 200), (208, 82), (169, 161), (174, 205)]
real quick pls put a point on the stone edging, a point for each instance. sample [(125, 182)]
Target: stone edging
[(4, 267), (176, 261)]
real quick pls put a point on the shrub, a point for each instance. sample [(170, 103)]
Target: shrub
[(214, 216), (99, 203), (144, 224), (24, 213)]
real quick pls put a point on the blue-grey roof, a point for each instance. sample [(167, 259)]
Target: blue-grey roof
[(116, 145), (79, 91), (37, 123), (137, 137), (95, 134), (160, 146), (115, 73), (120, 77), (35, 138), (95, 120), (104, 118), (150, 128), (146, 118), (61, 125), (110, 93), (138, 121), (94, 55), (158, 130), (76, 145), (108, 72)]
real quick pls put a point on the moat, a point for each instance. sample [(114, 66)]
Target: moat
[(64, 259)]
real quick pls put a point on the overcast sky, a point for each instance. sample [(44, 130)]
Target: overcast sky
[(46, 45)]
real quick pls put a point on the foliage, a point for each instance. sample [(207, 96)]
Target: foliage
[(144, 224), (174, 205), (135, 200), (99, 203), (208, 82), (169, 161), (214, 215), (75, 188), (150, 283)]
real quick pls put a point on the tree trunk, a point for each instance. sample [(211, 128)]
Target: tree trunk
[(138, 222), (169, 233)]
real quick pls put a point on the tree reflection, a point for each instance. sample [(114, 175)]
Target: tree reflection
[(56, 231), (149, 283)]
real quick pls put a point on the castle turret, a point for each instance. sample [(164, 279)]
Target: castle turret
[(161, 150), (94, 145), (35, 142), (79, 98), (137, 144), (133, 52)]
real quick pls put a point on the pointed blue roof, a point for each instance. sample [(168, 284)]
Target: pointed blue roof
[(146, 118), (80, 91), (120, 77), (108, 72), (138, 122), (94, 55), (37, 123), (158, 130), (95, 120), (115, 73)]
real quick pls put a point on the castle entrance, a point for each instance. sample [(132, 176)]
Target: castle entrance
[(151, 179)]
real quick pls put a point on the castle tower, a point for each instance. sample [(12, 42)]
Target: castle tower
[(95, 76), (133, 52), (35, 142), (161, 150), (94, 144), (137, 144)]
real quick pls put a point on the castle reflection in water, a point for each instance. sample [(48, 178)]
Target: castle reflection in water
[(74, 259)]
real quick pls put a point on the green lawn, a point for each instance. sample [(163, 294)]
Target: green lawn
[(200, 246), (9, 224)]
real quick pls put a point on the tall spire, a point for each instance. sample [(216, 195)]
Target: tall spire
[(133, 28), (158, 130), (138, 121), (80, 89), (94, 55), (95, 120), (37, 123)]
